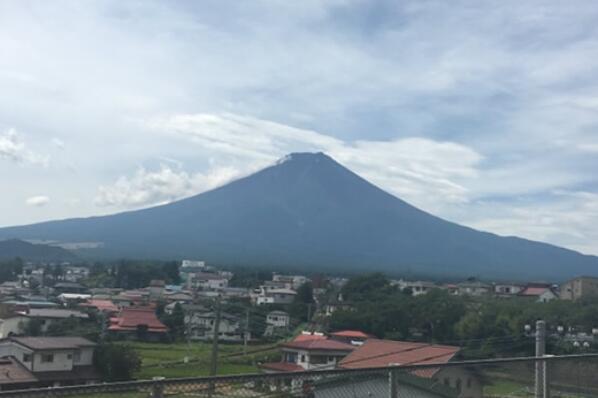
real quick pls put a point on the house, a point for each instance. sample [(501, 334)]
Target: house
[(278, 319), (71, 298), (376, 353), (192, 264), (451, 289), (354, 337), (474, 288), (507, 289), (75, 274), (541, 292), (290, 281), (333, 306), (105, 306), (156, 288), (69, 287), (206, 281), (16, 323), (178, 297), (202, 325), (417, 288), (50, 361), (309, 354), (130, 298), (578, 288), (275, 296), (140, 323)]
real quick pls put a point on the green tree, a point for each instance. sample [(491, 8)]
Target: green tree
[(116, 362)]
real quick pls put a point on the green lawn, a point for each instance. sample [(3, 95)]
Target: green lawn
[(506, 388), (167, 360)]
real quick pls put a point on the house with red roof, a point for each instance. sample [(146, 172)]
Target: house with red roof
[(140, 323), (309, 352), (541, 292), (375, 353)]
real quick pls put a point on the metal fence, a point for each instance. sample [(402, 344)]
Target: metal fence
[(558, 376)]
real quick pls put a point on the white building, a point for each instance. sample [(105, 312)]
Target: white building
[(417, 287), (290, 281), (61, 360), (278, 319), (507, 289), (193, 264), (206, 281), (275, 296), (202, 325)]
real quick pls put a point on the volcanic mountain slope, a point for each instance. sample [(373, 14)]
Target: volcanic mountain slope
[(12, 248), (309, 211)]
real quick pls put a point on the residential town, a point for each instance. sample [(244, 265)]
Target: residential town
[(55, 316)]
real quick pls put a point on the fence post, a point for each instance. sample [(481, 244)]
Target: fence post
[(158, 387), (540, 381), (392, 384)]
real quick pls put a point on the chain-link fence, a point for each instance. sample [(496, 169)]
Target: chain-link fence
[(562, 376)]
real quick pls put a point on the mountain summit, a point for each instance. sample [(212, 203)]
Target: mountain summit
[(309, 211)]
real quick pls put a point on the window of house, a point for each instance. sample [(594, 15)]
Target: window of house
[(447, 382), (458, 385), (26, 357), (69, 356), (469, 382), (47, 358), (302, 358)]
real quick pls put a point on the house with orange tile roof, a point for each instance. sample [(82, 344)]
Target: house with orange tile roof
[(309, 352), (139, 323), (375, 353)]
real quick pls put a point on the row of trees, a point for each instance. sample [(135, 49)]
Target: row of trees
[(483, 326)]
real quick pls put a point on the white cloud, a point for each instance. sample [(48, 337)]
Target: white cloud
[(13, 148), (147, 187), (37, 201), (418, 169), (58, 143), (568, 219)]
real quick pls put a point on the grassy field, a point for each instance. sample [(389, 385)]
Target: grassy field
[(167, 360), (506, 388)]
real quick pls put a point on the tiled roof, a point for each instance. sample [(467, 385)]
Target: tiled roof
[(57, 313), (353, 334), (379, 353), (306, 337), (53, 343), (319, 344), (130, 318), (282, 367), (12, 372), (101, 305)]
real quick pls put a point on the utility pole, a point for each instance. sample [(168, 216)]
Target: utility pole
[(246, 334), (540, 377), (214, 363)]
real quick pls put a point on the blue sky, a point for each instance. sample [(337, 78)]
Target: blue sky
[(484, 113)]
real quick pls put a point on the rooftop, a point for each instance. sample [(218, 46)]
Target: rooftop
[(53, 343), (352, 334), (379, 353), (319, 345), (12, 372), (130, 318)]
